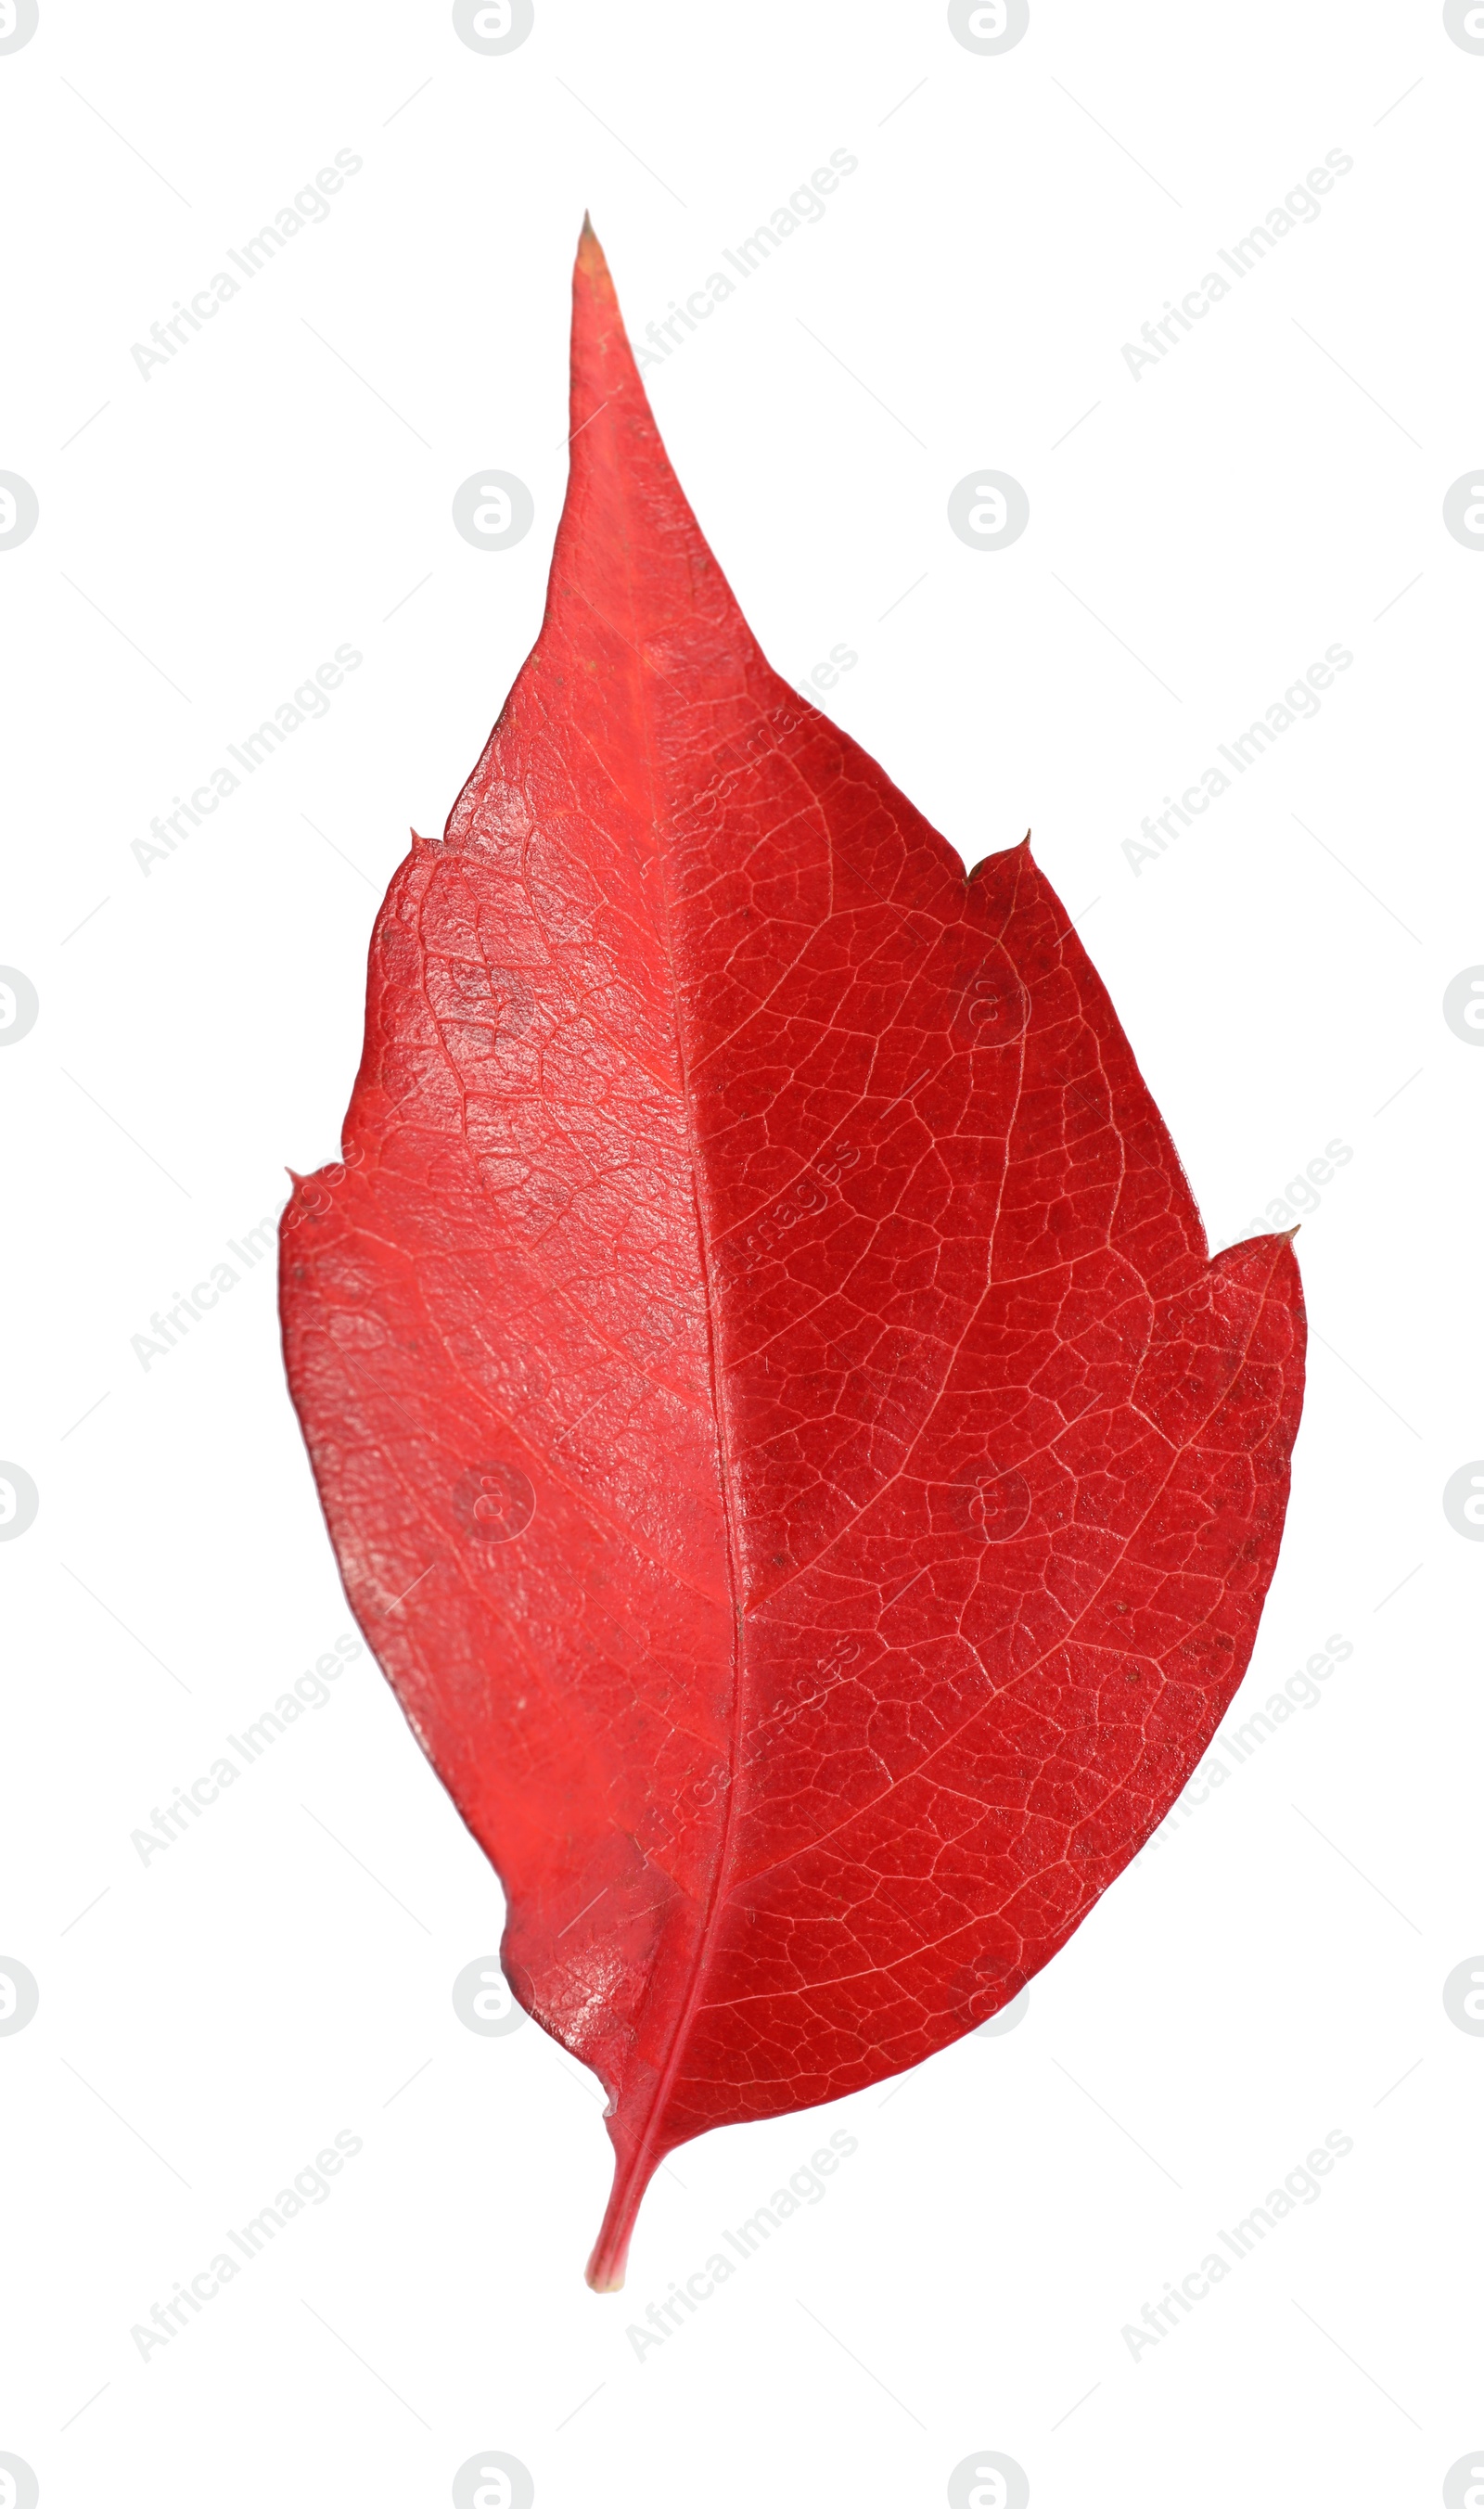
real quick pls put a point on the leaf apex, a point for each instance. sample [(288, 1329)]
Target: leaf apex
[(592, 260)]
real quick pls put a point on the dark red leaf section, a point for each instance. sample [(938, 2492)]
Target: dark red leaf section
[(781, 1431)]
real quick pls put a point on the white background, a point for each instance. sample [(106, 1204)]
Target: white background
[(1273, 1969)]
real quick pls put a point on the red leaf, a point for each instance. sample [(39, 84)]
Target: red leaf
[(781, 1432)]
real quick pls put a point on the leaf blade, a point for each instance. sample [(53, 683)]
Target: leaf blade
[(762, 1324)]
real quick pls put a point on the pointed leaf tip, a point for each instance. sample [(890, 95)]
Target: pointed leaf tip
[(591, 257)]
